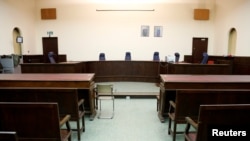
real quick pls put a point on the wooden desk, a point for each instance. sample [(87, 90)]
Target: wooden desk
[(84, 82), (170, 83), (62, 67)]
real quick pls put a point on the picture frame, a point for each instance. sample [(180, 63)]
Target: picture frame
[(144, 31), (158, 31)]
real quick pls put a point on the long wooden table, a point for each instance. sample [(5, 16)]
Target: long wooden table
[(84, 82), (170, 83)]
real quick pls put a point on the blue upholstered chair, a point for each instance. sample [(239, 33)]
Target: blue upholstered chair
[(205, 58), (102, 57), (51, 57), (156, 56), (177, 57), (127, 56)]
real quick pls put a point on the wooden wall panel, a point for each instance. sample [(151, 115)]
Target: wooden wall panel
[(201, 14)]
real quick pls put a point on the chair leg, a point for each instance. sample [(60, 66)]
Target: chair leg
[(78, 130), (83, 123), (174, 131)]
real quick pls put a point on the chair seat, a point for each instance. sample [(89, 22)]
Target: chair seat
[(191, 136), (65, 134)]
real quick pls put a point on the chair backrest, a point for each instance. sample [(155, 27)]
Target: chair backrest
[(67, 98), (177, 56), (102, 57), (185, 107), (7, 61), (31, 120), (127, 56), (51, 57), (8, 136), (156, 56), (104, 89), (205, 58), (223, 117)]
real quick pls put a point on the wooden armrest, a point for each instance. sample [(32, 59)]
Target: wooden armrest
[(191, 122), (80, 102), (172, 103), (64, 120)]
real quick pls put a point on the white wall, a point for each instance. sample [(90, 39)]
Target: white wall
[(233, 14), (83, 32), (20, 14)]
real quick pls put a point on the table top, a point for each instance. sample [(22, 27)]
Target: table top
[(48, 77), (205, 78)]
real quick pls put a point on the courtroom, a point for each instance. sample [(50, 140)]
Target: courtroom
[(119, 70)]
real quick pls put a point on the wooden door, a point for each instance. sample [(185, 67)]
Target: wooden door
[(199, 46), (50, 44)]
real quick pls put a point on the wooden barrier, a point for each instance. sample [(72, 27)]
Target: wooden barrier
[(231, 120), (187, 103), (67, 99), (34, 121), (8, 136)]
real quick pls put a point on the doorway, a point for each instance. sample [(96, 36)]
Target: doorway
[(232, 42), (16, 45), (198, 48)]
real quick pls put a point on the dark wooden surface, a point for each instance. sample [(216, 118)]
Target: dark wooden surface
[(39, 58), (170, 83), (33, 121), (240, 64), (226, 117), (63, 67), (84, 83), (8, 136), (140, 71), (67, 99), (187, 103), (199, 69)]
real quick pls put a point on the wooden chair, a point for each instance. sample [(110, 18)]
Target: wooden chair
[(187, 103), (8, 136), (221, 117), (105, 92), (67, 99), (34, 121)]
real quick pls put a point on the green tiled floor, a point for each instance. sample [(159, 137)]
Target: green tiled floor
[(134, 120)]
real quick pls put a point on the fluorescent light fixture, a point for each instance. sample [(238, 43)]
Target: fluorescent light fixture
[(99, 10)]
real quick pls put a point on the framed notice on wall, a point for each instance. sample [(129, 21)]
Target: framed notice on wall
[(158, 31), (144, 31)]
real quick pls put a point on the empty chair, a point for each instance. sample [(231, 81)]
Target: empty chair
[(7, 63), (1, 68), (205, 58), (105, 92), (177, 57), (51, 57), (127, 56), (156, 56), (102, 57)]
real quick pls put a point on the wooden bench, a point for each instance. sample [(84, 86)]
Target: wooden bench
[(67, 99), (34, 121), (187, 103), (216, 118), (8, 136)]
